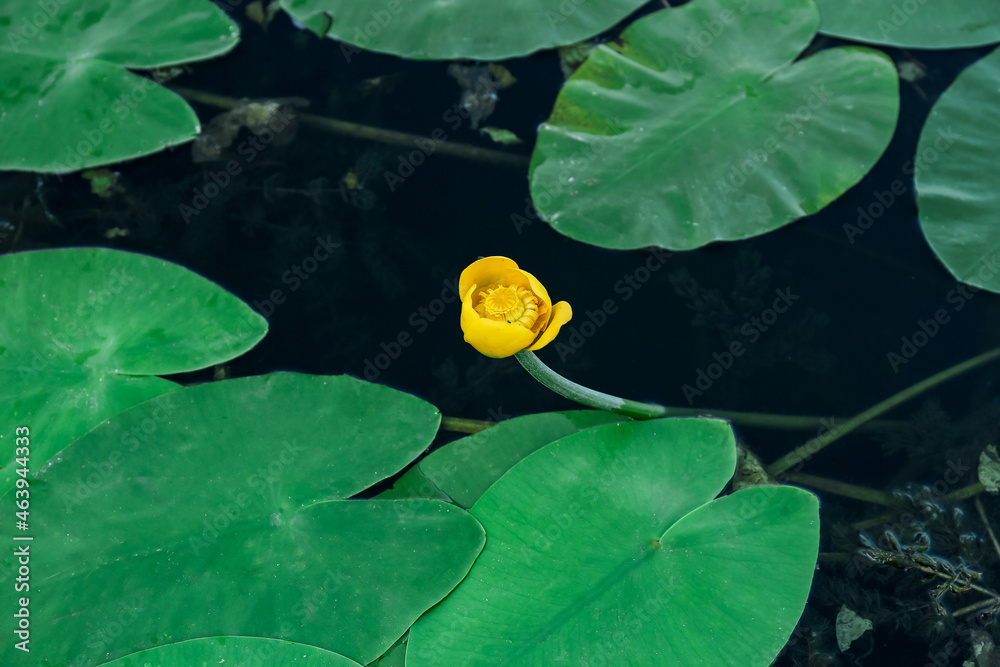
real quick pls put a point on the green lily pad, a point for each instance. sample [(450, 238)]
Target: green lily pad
[(701, 126), (459, 29), (395, 656), (461, 471), (68, 102), (957, 176), (913, 24), (84, 329), (234, 651), (156, 521), (606, 547)]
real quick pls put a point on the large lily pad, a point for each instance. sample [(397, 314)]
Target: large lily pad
[(226, 516), (700, 127), (913, 24), (461, 471), (67, 100), (605, 547), (84, 329), (395, 656), (234, 651), (957, 176), (459, 29)]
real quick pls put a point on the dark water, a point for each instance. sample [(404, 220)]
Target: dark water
[(399, 253)]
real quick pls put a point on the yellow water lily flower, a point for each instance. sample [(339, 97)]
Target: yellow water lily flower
[(506, 310)]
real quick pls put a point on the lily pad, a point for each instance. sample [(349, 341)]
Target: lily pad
[(605, 547), (395, 656), (148, 527), (957, 176), (913, 24), (459, 29), (84, 329), (67, 99), (234, 651), (702, 126), (461, 471)]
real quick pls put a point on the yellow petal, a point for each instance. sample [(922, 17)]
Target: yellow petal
[(485, 271), (536, 287), (538, 290), (562, 313), (499, 338), (491, 337)]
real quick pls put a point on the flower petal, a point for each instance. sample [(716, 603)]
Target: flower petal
[(485, 271), (538, 290), (491, 337), (562, 313)]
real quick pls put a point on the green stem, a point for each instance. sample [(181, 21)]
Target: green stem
[(810, 448), (755, 419), (840, 488), (459, 425), (589, 397), (596, 399), (370, 133)]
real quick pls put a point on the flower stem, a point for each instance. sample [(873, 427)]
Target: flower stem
[(749, 419), (809, 449), (588, 397)]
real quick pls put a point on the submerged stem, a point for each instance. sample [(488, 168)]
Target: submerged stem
[(358, 131), (810, 448)]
